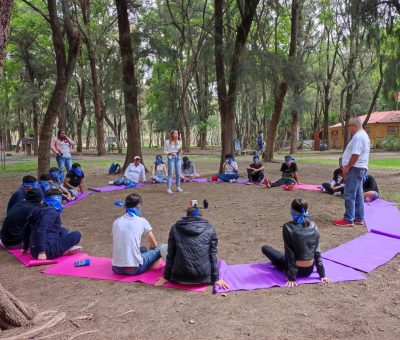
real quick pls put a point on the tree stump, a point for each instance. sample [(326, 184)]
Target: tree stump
[(13, 312)]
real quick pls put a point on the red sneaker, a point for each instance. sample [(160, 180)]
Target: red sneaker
[(359, 222), (343, 223)]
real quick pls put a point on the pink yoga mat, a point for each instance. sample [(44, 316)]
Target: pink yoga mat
[(310, 187), (366, 252), (109, 188), (264, 275), (80, 197), (100, 269), (382, 217)]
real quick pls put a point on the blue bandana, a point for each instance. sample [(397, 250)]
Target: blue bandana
[(52, 202), (256, 158), (77, 172), (299, 217), (56, 174), (131, 211), (158, 160), (33, 185), (45, 185), (186, 161)]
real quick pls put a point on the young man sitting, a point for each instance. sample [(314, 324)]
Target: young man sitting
[(28, 182), (336, 185), (255, 171), (133, 174), (127, 231), (289, 172), (12, 232), (370, 188), (188, 170), (73, 181), (57, 176), (230, 170)]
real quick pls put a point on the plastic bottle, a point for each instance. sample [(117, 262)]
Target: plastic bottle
[(82, 263)]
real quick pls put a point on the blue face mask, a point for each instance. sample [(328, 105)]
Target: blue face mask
[(230, 160), (52, 202), (299, 217), (56, 174), (186, 162), (256, 159), (77, 172), (45, 185), (158, 160), (131, 211)]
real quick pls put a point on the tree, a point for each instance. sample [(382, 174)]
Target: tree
[(129, 84)]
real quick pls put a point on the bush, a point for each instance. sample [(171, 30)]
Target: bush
[(390, 143)]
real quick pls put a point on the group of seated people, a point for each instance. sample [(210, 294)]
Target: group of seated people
[(136, 172), (336, 185), (255, 172)]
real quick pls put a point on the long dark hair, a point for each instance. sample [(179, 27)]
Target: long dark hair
[(59, 133), (186, 165), (300, 205)]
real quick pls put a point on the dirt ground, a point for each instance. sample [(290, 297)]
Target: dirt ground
[(246, 217)]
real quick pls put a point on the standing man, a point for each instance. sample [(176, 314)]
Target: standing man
[(260, 142), (355, 163)]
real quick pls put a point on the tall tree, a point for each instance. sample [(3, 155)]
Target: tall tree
[(227, 96), (129, 84)]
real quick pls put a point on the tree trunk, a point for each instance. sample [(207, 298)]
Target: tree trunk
[(82, 102), (62, 116), (65, 66), (88, 133), (5, 17), (282, 89), (294, 138), (129, 84)]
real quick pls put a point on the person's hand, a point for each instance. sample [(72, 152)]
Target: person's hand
[(326, 280), (42, 256), (24, 252), (291, 284), (160, 282), (345, 171), (222, 284)]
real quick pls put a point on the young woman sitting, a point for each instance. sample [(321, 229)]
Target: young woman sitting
[(192, 252), (301, 242), (336, 185), (159, 171), (289, 171), (188, 170), (57, 176)]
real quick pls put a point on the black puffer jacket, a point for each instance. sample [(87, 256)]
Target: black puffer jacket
[(192, 252)]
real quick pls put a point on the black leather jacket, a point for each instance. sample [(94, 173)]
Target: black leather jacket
[(192, 252), (302, 243)]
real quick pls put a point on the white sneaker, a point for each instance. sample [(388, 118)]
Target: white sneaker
[(111, 182), (73, 250), (179, 189), (232, 181), (337, 194), (169, 191)]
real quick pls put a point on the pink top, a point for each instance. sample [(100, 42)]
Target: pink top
[(56, 145)]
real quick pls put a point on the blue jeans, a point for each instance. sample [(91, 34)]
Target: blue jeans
[(64, 163), (124, 181), (354, 195), (227, 177), (149, 258), (174, 162), (260, 147)]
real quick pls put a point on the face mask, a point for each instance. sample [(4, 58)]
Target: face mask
[(77, 172), (299, 217), (56, 174), (45, 185), (32, 185), (158, 160), (186, 162), (230, 160), (52, 202), (256, 159), (131, 211)]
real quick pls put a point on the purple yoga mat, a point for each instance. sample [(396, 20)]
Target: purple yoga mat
[(365, 253), (264, 275), (80, 197), (200, 180), (382, 217), (109, 188)]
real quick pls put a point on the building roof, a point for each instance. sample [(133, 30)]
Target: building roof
[(385, 117)]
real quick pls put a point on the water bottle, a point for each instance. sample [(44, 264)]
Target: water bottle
[(82, 263)]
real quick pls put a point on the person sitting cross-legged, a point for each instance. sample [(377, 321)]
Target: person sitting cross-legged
[(132, 175), (230, 170), (290, 173), (159, 171), (370, 189), (301, 242), (45, 236), (255, 171), (28, 182), (12, 231), (57, 176), (128, 257), (73, 181), (336, 185), (188, 170), (192, 252)]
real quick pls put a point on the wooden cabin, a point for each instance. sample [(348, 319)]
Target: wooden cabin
[(380, 125)]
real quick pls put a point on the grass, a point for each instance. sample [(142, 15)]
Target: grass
[(374, 163)]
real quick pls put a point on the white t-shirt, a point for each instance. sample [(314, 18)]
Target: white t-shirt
[(358, 145), (127, 233), (65, 149), (229, 168), (134, 173), (172, 148)]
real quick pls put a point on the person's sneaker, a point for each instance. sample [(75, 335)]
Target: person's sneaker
[(249, 183), (179, 189), (111, 182), (169, 191), (337, 194), (232, 181), (73, 250), (343, 223), (359, 222)]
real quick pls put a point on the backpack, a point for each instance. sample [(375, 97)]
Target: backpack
[(114, 169)]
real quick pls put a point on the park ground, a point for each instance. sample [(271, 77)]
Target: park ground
[(246, 217)]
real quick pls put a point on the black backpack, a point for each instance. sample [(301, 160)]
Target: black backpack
[(114, 169)]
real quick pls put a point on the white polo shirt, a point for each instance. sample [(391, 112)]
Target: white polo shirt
[(358, 145), (135, 173)]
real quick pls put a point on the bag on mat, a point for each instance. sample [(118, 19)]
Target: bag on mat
[(114, 169)]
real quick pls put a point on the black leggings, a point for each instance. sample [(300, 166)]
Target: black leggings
[(331, 191), (279, 261), (255, 177)]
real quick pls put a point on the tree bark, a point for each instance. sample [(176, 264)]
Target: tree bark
[(65, 66), (282, 89), (129, 84), (5, 17), (81, 119)]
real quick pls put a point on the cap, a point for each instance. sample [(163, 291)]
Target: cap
[(137, 157), (34, 195)]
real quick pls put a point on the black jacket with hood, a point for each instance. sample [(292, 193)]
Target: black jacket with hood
[(192, 252)]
